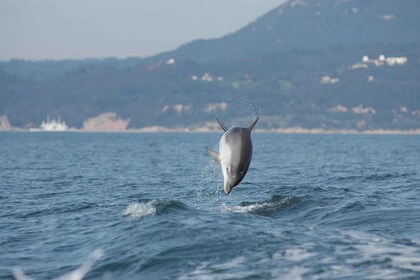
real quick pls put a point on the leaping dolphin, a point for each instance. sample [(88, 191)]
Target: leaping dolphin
[(235, 155)]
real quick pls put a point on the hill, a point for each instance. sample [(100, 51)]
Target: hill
[(313, 25), (315, 64)]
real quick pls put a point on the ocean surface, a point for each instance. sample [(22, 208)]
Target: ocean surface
[(151, 206)]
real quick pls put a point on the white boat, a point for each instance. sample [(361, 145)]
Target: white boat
[(53, 125)]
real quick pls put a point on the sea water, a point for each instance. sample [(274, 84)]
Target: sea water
[(151, 206)]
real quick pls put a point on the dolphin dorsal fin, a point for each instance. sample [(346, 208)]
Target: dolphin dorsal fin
[(253, 124), (215, 155), (222, 125)]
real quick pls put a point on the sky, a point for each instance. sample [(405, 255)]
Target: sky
[(74, 29)]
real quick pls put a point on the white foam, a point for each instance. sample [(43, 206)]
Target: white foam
[(362, 248), (296, 254), (139, 210), (296, 273), (244, 209), (211, 271), (254, 207), (234, 263), (401, 256)]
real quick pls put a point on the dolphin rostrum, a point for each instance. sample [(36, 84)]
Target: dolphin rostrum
[(235, 155)]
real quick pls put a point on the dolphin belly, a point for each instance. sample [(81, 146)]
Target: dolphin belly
[(235, 154)]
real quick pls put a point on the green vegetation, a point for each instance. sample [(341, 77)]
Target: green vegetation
[(301, 67)]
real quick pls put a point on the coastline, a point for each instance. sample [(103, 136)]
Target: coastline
[(290, 130)]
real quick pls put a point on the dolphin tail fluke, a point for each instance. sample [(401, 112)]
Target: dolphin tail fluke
[(213, 154), (253, 124), (222, 125)]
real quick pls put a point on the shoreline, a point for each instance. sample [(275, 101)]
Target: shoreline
[(292, 130)]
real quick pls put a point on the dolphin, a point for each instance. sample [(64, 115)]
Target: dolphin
[(235, 153)]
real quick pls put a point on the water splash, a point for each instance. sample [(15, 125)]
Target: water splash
[(210, 184), (79, 273), (138, 210), (266, 207), (76, 274), (20, 275)]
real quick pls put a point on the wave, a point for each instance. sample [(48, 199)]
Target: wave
[(140, 210), (266, 208), (153, 207), (49, 210)]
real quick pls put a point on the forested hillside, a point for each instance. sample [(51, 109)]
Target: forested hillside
[(313, 64)]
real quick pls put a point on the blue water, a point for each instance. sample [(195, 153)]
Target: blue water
[(310, 207)]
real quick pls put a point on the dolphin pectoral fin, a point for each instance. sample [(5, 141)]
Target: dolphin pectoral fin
[(213, 154), (222, 125), (253, 124)]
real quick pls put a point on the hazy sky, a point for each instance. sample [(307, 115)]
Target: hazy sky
[(59, 29)]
